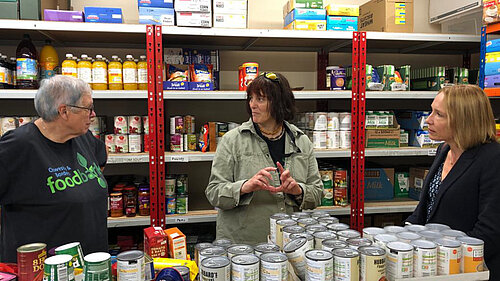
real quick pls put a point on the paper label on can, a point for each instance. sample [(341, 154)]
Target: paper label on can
[(346, 269), (472, 258), (449, 260), (298, 261), (399, 264), (245, 272), (274, 271), (424, 262), (319, 270), (121, 126), (134, 125), (130, 271), (121, 143), (372, 268)]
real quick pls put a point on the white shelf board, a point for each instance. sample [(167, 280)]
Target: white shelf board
[(97, 94), (72, 26), (424, 37), (241, 95), (128, 158), (484, 275), (132, 221), (401, 94), (210, 216), (402, 151)]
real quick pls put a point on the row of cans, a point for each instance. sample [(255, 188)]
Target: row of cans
[(182, 124), (335, 185), (330, 139), (8, 123), (324, 121), (176, 204), (125, 124), (176, 184), (183, 142), (121, 143)]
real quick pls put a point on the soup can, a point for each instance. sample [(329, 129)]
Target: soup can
[(319, 265), (333, 139), (110, 142), (311, 229), (332, 244), (130, 266), (170, 183), (197, 248), (120, 125), (473, 254), (134, 143), (300, 215), (273, 267), (399, 260), (309, 239), (319, 139), (381, 240), (306, 221), (415, 227), (358, 242), (345, 139), (348, 234), (452, 234), (214, 251), (394, 229), (97, 266), (75, 250), (289, 230), (372, 263), (30, 261), (321, 214), (58, 268), (346, 264), (449, 256), (336, 227), (333, 121), (272, 224), (430, 235), (265, 248), (407, 236), (345, 121), (295, 252), (321, 236), (370, 232), (279, 230), (222, 242), (239, 249), (121, 143), (320, 121), (328, 220), (215, 269), (245, 268), (437, 226), (424, 258), (134, 124)]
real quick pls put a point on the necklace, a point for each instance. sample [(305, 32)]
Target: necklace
[(270, 133)]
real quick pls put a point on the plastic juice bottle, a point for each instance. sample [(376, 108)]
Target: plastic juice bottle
[(99, 74), (142, 73), (115, 74), (85, 69), (68, 66), (129, 74), (49, 60), (26, 64), (8, 72)]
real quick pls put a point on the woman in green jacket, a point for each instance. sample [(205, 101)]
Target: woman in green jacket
[(263, 167)]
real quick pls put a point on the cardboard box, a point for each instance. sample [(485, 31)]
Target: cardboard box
[(318, 25), (492, 68), (156, 3), (230, 21), (379, 184), (9, 10), (176, 243), (56, 15), (401, 184), (491, 12), (493, 46), (492, 57), (155, 242), (194, 19), (292, 4), (342, 10), (200, 86), (130, 13), (233, 7), (492, 81), (33, 9), (159, 16), (417, 177), (380, 138), (202, 6), (413, 120), (404, 138), (304, 14), (386, 16), (175, 85), (341, 23), (102, 14)]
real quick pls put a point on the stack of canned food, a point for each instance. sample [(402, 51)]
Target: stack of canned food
[(8, 123), (316, 246), (327, 130), (182, 133), (129, 200), (379, 119), (130, 133), (335, 184), (176, 194)]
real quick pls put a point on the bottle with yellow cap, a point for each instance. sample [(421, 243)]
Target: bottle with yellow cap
[(68, 66), (99, 74), (142, 73), (115, 76), (85, 69), (129, 73)]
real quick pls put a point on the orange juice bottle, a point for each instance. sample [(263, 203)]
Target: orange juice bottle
[(69, 66), (142, 73), (129, 74), (99, 74), (115, 76), (85, 69), (48, 60)]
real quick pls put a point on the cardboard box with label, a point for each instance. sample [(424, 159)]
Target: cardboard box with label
[(103, 14), (342, 10), (159, 16), (194, 19), (491, 12), (401, 184), (386, 16), (230, 7), (304, 14), (202, 6), (156, 3), (417, 177), (379, 184), (33, 9), (155, 242), (176, 243), (383, 138), (230, 21), (130, 13), (318, 25)]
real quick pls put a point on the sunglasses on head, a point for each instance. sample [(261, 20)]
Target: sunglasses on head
[(271, 76)]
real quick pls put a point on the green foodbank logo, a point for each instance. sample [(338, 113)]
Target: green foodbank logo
[(90, 172)]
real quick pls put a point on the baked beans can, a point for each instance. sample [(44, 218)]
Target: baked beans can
[(239, 249), (134, 124), (394, 229), (345, 139), (449, 256), (181, 204), (341, 184), (170, 186), (326, 174), (328, 220), (399, 260), (313, 228), (452, 233), (245, 267), (300, 215), (58, 268), (183, 270), (319, 265), (295, 252), (437, 226), (346, 264), (372, 263), (170, 201), (319, 139), (130, 266), (307, 221), (348, 234), (321, 236), (145, 124), (197, 249), (430, 235), (23, 120), (265, 248), (472, 253), (216, 268), (320, 121), (214, 251), (176, 125), (333, 139), (30, 261), (370, 232), (189, 124), (97, 266), (345, 121), (279, 230), (289, 230), (356, 243), (415, 227), (190, 142), (381, 240), (273, 267), (248, 72), (336, 227), (134, 143), (121, 143), (73, 249), (333, 121), (407, 236), (424, 258), (332, 244), (223, 242), (309, 239), (120, 125), (176, 143)]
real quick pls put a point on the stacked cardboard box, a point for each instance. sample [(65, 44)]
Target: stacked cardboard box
[(386, 16), (160, 12), (492, 65), (304, 15), (193, 13), (342, 17), (230, 13)]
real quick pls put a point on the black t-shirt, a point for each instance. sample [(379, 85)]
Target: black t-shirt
[(276, 147), (50, 192)]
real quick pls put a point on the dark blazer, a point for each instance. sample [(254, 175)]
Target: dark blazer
[(468, 198)]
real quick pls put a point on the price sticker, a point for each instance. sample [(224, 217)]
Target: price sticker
[(431, 152), (181, 220)]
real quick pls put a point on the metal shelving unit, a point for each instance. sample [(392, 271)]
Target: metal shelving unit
[(129, 221)]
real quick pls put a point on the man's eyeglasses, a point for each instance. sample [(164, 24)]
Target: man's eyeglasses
[(90, 108)]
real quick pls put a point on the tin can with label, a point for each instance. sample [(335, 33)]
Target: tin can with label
[(197, 249), (394, 229), (309, 239), (272, 224), (215, 269), (319, 214), (289, 230), (319, 265), (130, 266), (424, 258), (300, 215), (430, 235), (120, 125), (320, 121), (245, 267), (348, 234), (345, 121), (176, 143), (75, 250), (295, 252), (407, 236), (214, 251), (223, 242), (346, 264), (30, 261), (170, 185), (319, 139), (356, 243), (332, 244), (265, 248), (307, 221), (399, 261), (279, 230), (473, 254), (382, 239), (452, 234), (181, 184), (176, 125), (345, 139), (190, 142), (321, 236), (336, 227), (189, 124), (239, 249), (328, 220), (273, 267), (134, 143), (181, 204), (97, 266), (333, 121), (170, 201), (370, 232), (333, 139), (341, 184), (372, 263), (326, 174), (313, 228), (449, 256), (58, 268), (248, 72), (183, 270), (134, 124), (121, 143)]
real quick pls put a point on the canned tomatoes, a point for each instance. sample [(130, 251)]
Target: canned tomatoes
[(30, 260)]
